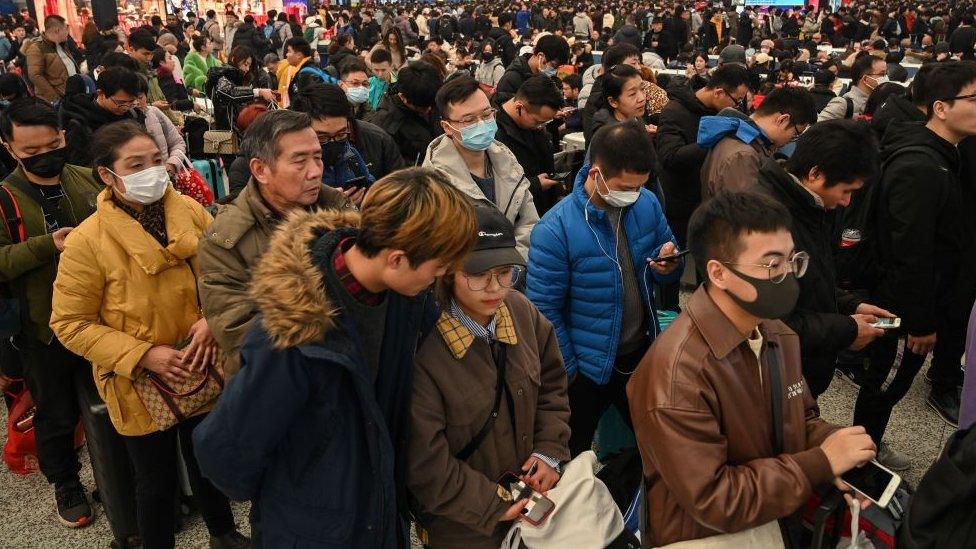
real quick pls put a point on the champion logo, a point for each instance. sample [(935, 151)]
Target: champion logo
[(483, 233)]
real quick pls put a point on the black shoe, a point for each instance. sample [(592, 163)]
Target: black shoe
[(946, 404), (74, 511), (233, 540)]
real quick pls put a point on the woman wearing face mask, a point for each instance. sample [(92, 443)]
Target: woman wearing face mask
[(491, 346), (491, 69), (623, 99), (125, 299)]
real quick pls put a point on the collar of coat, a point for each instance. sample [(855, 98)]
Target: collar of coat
[(183, 233), (459, 338), (717, 330), (288, 288), (443, 154)]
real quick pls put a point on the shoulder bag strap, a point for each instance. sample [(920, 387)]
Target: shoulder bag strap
[(13, 221), (499, 353), (776, 393)]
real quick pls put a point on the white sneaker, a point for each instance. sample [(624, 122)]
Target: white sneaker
[(893, 459)]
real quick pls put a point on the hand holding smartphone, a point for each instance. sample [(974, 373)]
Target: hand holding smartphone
[(873, 481), (888, 323), (512, 488)]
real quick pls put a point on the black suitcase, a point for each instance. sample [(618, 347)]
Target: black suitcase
[(110, 463)]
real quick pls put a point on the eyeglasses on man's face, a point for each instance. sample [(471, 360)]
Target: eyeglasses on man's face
[(778, 268)]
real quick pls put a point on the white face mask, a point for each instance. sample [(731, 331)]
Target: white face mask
[(617, 199), (878, 80), (145, 187)]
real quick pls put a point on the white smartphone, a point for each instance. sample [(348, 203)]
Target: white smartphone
[(887, 323), (873, 481)]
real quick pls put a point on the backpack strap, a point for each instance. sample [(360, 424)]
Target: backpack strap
[(13, 220), (21, 184), (849, 109)]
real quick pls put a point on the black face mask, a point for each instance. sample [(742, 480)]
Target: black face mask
[(773, 301), (332, 152), (487, 56), (47, 164)]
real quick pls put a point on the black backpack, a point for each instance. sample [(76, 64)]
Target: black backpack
[(276, 41), (857, 257)]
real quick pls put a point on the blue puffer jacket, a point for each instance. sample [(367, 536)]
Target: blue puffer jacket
[(575, 284)]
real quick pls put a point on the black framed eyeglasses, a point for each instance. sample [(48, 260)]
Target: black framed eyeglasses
[(967, 97)]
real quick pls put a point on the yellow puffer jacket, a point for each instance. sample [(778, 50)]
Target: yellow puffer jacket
[(118, 293)]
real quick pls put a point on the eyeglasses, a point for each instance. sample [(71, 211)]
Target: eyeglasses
[(967, 97), (357, 83), (735, 100), (506, 278), (779, 269), (797, 132), (326, 138), (122, 104), (486, 115)]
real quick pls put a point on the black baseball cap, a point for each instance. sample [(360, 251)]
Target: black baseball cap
[(496, 241)]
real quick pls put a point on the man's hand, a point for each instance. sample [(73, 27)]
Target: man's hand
[(921, 345), (355, 194), (865, 332), (848, 448), (59, 236), (651, 129), (868, 309), (267, 94), (161, 104), (539, 475), (202, 350), (664, 267), (165, 361), (545, 182), (849, 495)]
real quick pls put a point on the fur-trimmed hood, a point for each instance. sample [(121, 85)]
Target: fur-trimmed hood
[(288, 287)]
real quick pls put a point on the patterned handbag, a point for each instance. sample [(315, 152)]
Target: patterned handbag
[(220, 142), (169, 405), (191, 183)]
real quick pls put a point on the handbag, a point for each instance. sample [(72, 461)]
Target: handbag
[(191, 183), (169, 405), (220, 142), (20, 449), (585, 514)]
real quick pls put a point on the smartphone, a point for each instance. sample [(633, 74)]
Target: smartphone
[(887, 323), (513, 489), (873, 481), (560, 176), (669, 258), (355, 182)]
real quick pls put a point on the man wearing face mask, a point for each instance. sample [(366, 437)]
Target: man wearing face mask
[(592, 264), (718, 458), (867, 73), (549, 53), (354, 81), (53, 198), (478, 165)]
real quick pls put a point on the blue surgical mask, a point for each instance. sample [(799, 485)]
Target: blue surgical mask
[(549, 71), (478, 137), (4, 103), (357, 95)]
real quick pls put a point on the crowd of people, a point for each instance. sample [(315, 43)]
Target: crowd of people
[(448, 238)]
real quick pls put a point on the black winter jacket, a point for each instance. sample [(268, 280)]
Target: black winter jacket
[(377, 148), (680, 156), (254, 38), (821, 316), (516, 73), (894, 108), (921, 230), (534, 151), (80, 117), (411, 132)]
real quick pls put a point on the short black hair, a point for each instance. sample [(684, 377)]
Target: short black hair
[(842, 150), (623, 147), (199, 42), (916, 90), (141, 39), (352, 64), (717, 226), (119, 59), (456, 90), (27, 111), (380, 55), (116, 79), (862, 66), (824, 78), (211, 14), (419, 81), (540, 91), (299, 44), (796, 102), (555, 48), (946, 81), (729, 77), (617, 53), (505, 19), (12, 85), (574, 81), (320, 100)]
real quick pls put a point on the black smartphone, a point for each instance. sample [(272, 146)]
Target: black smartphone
[(513, 489), (560, 176), (669, 258), (355, 182)]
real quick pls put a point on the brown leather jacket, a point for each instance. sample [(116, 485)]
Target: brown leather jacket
[(700, 403)]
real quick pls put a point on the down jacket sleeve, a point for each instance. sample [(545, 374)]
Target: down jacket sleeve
[(548, 283), (235, 444), (552, 411), (224, 280), (76, 311)]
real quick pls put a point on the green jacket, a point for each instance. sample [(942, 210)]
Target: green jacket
[(195, 69), (29, 268)]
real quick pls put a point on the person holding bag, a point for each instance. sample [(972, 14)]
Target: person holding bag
[(125, 298), (489, 398)]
